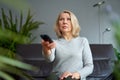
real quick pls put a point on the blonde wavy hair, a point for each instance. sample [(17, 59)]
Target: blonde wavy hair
[(74, 21)]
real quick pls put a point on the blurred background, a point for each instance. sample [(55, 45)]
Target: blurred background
[(93, 19)]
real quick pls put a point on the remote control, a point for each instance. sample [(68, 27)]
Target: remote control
[(45, 37)]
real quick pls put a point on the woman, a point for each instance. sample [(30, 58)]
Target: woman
[(70, 54)]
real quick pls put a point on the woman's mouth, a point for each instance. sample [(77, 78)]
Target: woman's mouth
[(64, 27)]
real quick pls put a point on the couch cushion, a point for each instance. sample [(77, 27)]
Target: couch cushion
[(44, 68), (102, 67)]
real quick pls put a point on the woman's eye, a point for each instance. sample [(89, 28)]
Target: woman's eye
[(61, 19), (69, 19)]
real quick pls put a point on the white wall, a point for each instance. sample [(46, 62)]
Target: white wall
[(47, 11)]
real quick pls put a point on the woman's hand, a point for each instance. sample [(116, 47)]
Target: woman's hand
[(74, 75), (46, 46), (65, 75)]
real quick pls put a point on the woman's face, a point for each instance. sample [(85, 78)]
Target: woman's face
[(64, 23)]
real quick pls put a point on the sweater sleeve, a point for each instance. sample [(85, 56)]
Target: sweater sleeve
[(87, 60), (51, 57)]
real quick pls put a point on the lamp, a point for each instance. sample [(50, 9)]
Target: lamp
[(106, 30), (99, 5)]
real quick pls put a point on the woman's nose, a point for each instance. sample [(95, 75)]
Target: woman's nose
[(65, 21)]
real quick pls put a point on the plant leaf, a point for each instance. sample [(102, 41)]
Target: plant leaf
[(13, 36), (6, 52), (16, 63), (4, 18), (5, 76), (15, 71)]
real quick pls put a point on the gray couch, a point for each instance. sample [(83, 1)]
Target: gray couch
[(103, 58)]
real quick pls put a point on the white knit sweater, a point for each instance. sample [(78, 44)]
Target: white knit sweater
[(72, 56)]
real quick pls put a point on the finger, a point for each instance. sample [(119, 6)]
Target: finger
[(67, 75), (72, 77), (42, 40), (46, 44), (61, 78), (52, 45)]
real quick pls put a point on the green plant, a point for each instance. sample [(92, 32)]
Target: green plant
[(9, 65), (117, 53), (14, 31), (10, 36), (18, 26), (117, 65)]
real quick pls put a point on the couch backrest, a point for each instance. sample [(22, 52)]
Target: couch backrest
[(30, 51), (33, 51), (103, 51), (32, 54)]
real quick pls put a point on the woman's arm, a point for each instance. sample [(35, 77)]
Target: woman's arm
[(87, 60), (48, 50)]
